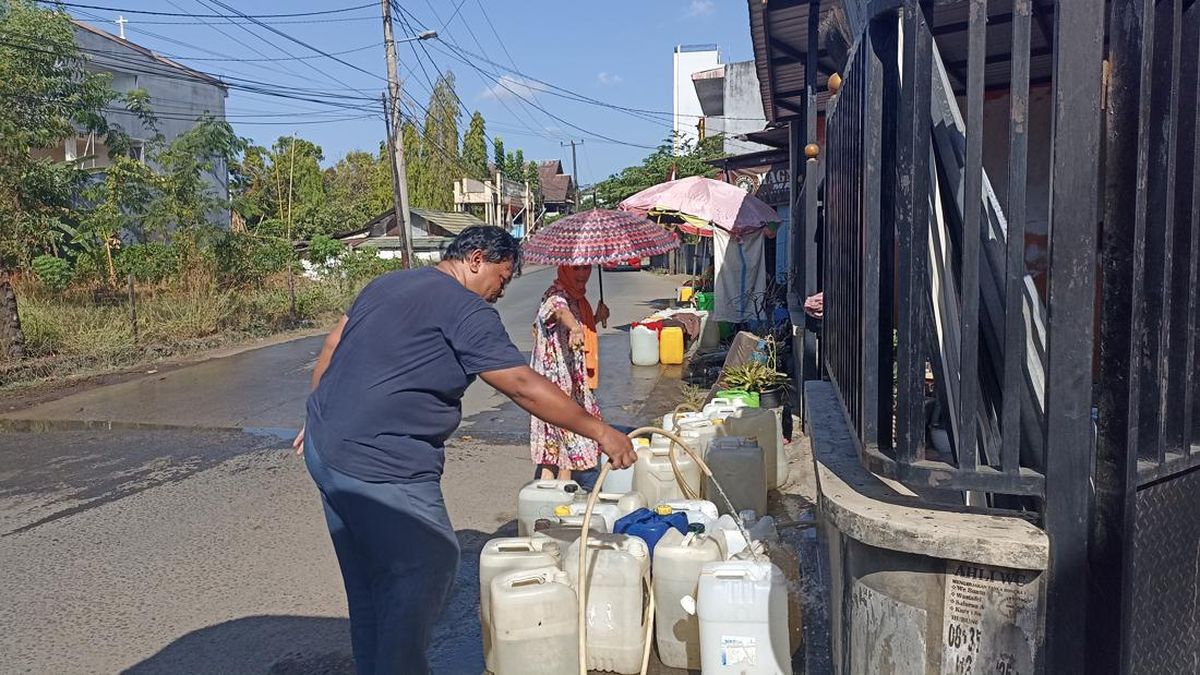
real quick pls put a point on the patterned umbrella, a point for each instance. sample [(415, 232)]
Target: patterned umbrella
[(597, 237)]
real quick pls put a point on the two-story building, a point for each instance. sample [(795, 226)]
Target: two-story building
[(179, 96)]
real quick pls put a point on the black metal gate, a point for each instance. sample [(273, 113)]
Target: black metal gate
[(1079, 403), (1145, 547)]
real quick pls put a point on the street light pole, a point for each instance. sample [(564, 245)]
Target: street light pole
[(395, 136)]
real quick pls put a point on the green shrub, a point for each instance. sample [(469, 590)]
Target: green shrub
[(54, 272), (324, 248), (148, 263), (364, 264), (245, 260)]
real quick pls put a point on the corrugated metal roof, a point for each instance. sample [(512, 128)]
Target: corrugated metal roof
[(451, 221), (779, 31)]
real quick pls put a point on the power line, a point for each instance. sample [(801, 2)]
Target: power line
[(521, 104), (243, 43), (308, 65), (300, 42), (500, 82), (454, 15), (402, 13), (281, 22), (171, 40), (147, 12), (133, 66), (234, 59), (563, 92), (504, 47)]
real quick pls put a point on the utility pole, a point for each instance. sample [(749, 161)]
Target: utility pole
[(291, 282), (395, 125), (574, 169)]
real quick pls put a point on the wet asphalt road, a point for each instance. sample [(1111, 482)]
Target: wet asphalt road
[(159, 525)]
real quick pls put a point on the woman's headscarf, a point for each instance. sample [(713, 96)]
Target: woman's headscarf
[(591, 342)]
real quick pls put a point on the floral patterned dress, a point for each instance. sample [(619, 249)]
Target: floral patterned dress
[(554, 358)]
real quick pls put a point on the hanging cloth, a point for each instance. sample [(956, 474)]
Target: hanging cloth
[(740, 275)]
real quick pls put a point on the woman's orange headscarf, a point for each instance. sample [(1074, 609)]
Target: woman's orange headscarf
[(591, 343)]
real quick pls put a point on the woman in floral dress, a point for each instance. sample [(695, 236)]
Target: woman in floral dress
[(566, 351)]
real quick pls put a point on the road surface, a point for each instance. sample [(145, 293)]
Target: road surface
[(159, 526)]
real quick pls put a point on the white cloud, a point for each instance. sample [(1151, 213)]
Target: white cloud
[(609, 78), (509, 87), (701, 8)]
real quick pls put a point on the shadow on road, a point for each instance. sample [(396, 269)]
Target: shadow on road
[(303, 645), (278, 645)]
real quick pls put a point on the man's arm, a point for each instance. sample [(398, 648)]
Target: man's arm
[(543, 399), (331, 343)]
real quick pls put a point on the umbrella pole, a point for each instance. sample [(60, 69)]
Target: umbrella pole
[(600, 278)]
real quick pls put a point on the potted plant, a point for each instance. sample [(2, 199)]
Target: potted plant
[(760, 377)]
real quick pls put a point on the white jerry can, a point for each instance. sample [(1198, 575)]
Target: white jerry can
[(500, 557), (535, 623), (618, 580), (538, 499), (743, 611), (678, 559)]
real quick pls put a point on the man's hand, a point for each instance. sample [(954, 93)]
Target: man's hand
[(543, 399), (298, 444), (619, 449), (602, 314), (814, 306)]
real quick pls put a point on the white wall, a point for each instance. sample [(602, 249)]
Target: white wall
[(687, 111), (743, 111)]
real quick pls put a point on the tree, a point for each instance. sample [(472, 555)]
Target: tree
[(692, 160), (322, 200), (532, 177), (253, 186), (498, 156), (351, 188), (302, 198), (475, 148), (415, 166), (185, 200), (440, 143), (48, 96), (516, 169), (119, 202)]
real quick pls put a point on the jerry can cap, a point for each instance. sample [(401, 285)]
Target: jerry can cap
[(663, 510)]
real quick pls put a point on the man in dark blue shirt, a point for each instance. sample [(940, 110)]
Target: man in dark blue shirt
[(387, 393)]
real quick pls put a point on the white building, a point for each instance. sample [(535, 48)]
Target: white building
[(690, 59)]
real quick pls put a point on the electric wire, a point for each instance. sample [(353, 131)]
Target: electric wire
[(323, 12)]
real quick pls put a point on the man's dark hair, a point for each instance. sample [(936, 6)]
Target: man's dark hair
[(496, 244)]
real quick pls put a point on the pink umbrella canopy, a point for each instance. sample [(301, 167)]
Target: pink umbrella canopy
[(699, 200), (597, 237)]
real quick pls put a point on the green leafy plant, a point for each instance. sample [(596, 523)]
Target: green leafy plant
[(753, 376), (324, 248), (54, 272), (150, 263)]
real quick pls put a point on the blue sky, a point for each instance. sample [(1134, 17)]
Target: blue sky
[(617, 52)]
